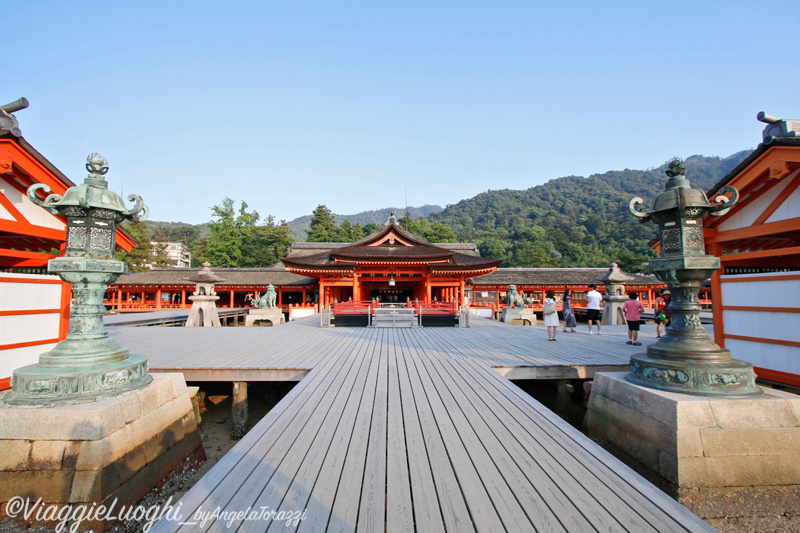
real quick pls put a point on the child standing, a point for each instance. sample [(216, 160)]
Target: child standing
[(632, 308)]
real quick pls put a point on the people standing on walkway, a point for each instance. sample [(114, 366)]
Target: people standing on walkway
[(569, 312), (633, 309), (550, 314), (594, 300), (662, 313)]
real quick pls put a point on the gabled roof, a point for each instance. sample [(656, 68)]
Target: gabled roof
[(554, 276), (232, 276), (390, 244), (763, 227)]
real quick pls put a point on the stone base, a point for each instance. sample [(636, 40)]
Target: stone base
[(256, 316), (613, 313), (518, 316), (117, 448), (697, 442)]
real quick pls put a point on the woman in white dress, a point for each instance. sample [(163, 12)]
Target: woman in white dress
[(550, 314)]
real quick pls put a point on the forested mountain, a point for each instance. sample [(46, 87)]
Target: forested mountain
[(569, 221), (300, 225), (572, 221)]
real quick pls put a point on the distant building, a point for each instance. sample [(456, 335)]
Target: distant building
[(178, 253)]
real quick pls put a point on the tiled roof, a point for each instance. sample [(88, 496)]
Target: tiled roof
[(232, 276), (554, 276)]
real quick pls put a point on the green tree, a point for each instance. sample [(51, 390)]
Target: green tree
[(322, 227), (493, 248), (358, 232), (238, 240), (141, 257), (199, 251), (440, 233), (160, 257), (225, 239), (344, 233), (267, 243)]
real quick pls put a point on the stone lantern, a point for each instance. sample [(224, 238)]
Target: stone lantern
[(614, 297), (88, 363), (204, 300), (686, 360)]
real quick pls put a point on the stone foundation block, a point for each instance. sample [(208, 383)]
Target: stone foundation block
[(119, 447), (698, 442)]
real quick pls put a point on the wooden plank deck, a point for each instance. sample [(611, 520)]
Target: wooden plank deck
[(411, 430)]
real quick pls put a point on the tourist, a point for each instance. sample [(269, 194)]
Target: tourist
[(569, 312), (594, 300), (662, 313), (550, 314), (633, 309)]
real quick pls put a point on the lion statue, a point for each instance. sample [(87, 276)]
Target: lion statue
[(514, 298)]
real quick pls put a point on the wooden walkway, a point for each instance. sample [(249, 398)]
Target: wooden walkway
[(409, 430)]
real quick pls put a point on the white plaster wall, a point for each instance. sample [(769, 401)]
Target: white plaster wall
[(26, 296), (781, 326), (18, 295), (789, 209), (765, 294), (32, 212), (744, 218), (771, 356), (12, 359)]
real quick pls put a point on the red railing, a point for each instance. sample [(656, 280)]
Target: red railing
[(433, 307), (353, 307)]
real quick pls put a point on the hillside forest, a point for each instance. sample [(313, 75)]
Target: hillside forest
[(570, 221)]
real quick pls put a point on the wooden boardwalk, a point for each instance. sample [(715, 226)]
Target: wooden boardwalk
[(409, 430)]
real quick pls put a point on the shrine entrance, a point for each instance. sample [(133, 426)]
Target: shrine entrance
[(396, 294), (392, 266)]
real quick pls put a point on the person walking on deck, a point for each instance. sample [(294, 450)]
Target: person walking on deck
[(662, 313), (633, 309), (594, 300), (568, 312)]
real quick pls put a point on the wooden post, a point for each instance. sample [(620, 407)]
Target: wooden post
[(158, 299), (231, 299), (183, 298), (715, 249), (239, 410)]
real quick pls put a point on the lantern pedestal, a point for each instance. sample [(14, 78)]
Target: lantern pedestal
[(698, 442), (113, 450), (260, 316), (518, 316)]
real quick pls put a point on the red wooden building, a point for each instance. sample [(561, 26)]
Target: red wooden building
[(757, 290), (34, 306), (391, 265)]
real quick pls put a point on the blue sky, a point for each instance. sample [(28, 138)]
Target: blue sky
[(288, 105)]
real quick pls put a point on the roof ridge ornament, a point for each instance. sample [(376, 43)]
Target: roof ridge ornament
[(9, 122), (777, 127)]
